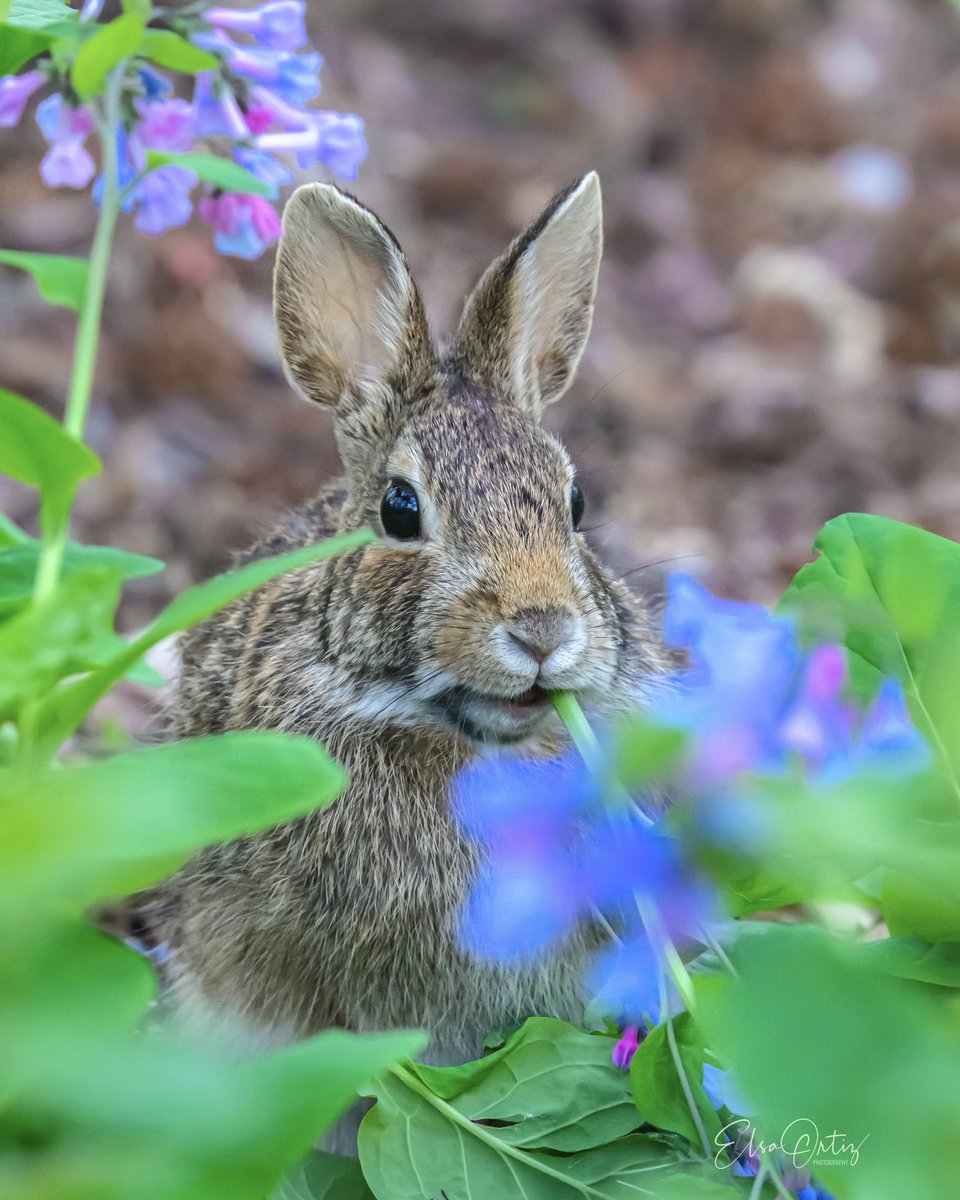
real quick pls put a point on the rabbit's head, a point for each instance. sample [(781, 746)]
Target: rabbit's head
[(482, 595)]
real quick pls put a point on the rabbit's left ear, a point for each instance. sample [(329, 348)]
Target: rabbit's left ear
[(526, 323)]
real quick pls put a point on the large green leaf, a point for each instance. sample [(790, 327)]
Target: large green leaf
[(59, 278), (657, 1088), (36, 449), (170, 50), (18, 567), (101, 831), (413, 1144), (66, 710), (551, 1087), (820, 1042), (29, 27), (97, 57), (221, 172), (159, 1118)]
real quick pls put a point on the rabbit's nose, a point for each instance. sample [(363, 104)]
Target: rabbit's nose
[(540, 631)]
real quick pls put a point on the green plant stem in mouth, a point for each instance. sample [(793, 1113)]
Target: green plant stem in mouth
[(88, 328)]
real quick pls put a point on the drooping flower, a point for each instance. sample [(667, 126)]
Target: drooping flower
[(295, 78), (244, 225), (167, 124), (271, 170), (626, 1047), (15, 92), (278, 24), (217, 108), (624, 981), (162, 199), (341, 144), (67, 163), (155, 86)]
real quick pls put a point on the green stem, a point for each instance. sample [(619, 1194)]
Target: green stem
[(590, 750), (581, 734), (88, 327), (667, 1020)]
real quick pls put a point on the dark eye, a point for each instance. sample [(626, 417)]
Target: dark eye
[(576, 505), (400, 510)]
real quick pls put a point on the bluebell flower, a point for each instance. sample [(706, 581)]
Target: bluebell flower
[(340, 145), (496, 799), (278, 24), (155, 86), (15, 92), (67, 163), (743, 664), (162, 199), (624, 981), (217, 108), (244, 225), (722, 1091), (889, 743), (167, 124), (521, 904), (295, 78), (271, 170)]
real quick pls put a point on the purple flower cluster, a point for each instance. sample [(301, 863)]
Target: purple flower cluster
[(555, 853), (752, 700), (257, 98)]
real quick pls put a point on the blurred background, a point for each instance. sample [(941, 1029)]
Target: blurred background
[(778, 321)]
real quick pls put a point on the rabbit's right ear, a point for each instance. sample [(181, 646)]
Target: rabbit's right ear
[(352, 329)]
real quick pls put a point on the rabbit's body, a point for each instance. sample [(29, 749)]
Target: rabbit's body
[(407, 657)]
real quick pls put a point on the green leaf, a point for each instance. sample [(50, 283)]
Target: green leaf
[(221, 172), (819, 1042), (657, 1090), (18, 567), (36, 449), (97, 832), (44, 643), (19, 46), (158, 1117), (322, 1176), (170, 50), (41, 14), (65, 710), (562, 1076), (916, 908), (910, 958), (59, 278), (97, 57), (413, 1144)]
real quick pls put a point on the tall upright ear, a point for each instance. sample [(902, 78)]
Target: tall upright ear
[(353, 334), (526, 323)]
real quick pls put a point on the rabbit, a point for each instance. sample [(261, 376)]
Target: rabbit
[(409, 657)]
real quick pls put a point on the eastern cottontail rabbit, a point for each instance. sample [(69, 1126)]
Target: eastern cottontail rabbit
[(408, 656)]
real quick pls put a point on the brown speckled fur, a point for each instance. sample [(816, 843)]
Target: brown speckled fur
[(344, 918)]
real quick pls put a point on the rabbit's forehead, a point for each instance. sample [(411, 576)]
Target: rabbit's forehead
[(489, 453)]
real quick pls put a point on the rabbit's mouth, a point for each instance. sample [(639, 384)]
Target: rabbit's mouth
[(487, 718)]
